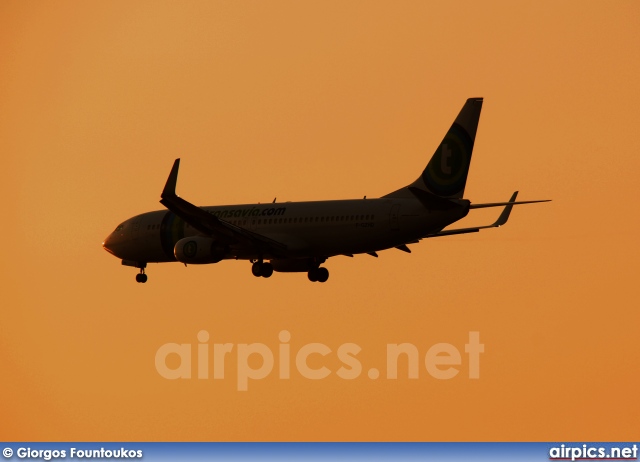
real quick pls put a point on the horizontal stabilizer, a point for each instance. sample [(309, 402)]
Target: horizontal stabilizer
[(502, 219), (502, 204)]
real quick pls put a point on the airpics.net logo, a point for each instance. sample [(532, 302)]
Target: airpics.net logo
[(593, 452), (257, 361)]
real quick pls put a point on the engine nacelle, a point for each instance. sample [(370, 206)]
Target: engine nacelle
[(199, 250)]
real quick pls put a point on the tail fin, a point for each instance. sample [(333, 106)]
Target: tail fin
[(446, 173)]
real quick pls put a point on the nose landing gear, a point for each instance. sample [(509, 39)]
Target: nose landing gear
[(141, 276)]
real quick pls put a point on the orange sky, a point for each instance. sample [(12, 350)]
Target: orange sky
[(312, 101)]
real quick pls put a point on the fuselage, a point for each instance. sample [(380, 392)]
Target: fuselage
[(308, 229), (301, 236)]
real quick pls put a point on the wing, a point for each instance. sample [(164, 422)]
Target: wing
[(212, 226)]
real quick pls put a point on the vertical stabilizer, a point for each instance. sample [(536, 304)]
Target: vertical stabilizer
[(446, 173)]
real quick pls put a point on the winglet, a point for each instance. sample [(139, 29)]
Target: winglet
[(504, 216), (170, 188)]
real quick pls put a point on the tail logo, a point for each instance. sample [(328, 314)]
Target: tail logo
[(446, 173), (444, 159)]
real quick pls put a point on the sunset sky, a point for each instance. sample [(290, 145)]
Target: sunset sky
[(312, 101)]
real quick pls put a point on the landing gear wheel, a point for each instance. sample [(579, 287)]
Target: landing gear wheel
[(260, 269), (318, 274), (267, 270), (141, 277), (256, 269), (322, 274)]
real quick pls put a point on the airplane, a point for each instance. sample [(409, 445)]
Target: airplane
[(301, 236)]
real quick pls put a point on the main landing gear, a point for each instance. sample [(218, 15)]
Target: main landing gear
[(315, 272), (261, 269), (320, 274)]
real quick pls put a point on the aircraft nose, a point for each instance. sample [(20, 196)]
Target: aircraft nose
[(107, 244)]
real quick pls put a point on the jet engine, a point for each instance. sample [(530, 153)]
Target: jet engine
[(199, 250)]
